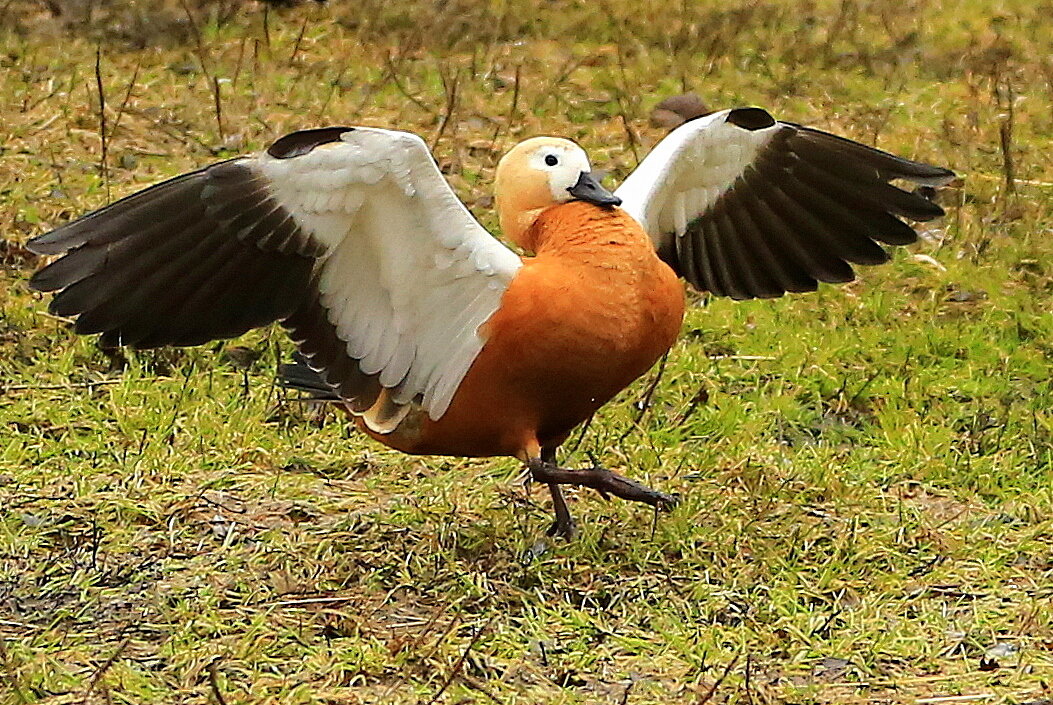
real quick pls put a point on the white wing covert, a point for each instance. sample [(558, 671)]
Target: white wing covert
[(744, 206), (350, 236)]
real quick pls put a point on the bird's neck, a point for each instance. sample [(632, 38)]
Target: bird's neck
[(579, 227)]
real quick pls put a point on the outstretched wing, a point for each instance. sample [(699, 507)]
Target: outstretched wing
[(744, 206), (350, 236)]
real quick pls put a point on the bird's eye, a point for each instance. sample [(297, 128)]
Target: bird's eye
[(551, 159)]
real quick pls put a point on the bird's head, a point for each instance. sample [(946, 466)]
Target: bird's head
[(539, 173)]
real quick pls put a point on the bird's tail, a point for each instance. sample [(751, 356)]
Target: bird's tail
[(299, 376)]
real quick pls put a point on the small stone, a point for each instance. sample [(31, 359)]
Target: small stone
[(183, 68), (678, 109), (220, 528), (831, 668), (241, 356), (1002, 651), (961, 296)]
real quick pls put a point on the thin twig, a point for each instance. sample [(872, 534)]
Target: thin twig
[(700, 397), (101, 670), (620, 92), (515, 94), (219, 108), (460, 662), (334, 86), (1026, 182), (213, 682), (426, 630), (102, 120), (645, 403), (127, 96), (68, 385), (197, 39), (581, 434), (892, 682), (311, 601), (392, 70), (708, 695), (210, 77), (454, 624), (299, 39), (1005, 133), (749, 667), (569, 66), (629, 132), (511, 110), (476, 685), (741, 357), (451, 105), (237, 65), (267, 26)]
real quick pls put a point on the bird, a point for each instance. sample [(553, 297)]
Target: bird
[(435, 336)]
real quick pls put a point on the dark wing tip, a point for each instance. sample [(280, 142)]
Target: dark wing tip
[(296, 144), (888, 166), (45, 279), (50, 243), (937, 176), (923, 209), (808, 207), (750, 118), (206, 255)]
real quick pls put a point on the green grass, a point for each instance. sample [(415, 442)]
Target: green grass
[(866, 472)]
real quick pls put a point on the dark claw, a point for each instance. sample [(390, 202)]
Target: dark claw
[(666, 502), (563, 530)]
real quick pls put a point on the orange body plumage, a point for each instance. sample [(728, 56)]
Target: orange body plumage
[(591, 312)]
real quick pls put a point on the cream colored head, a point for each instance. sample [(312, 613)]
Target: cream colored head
[(534, 175)]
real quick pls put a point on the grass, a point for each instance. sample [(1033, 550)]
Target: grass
[(866, 472)]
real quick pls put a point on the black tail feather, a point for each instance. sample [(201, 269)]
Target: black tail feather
[(299, 376)]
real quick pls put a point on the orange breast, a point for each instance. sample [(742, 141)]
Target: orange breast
[(589, 314)]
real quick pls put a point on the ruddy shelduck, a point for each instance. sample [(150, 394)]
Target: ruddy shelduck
[(437, 337)]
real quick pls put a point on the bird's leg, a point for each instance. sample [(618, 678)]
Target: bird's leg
[(600, 479), (564, 526)]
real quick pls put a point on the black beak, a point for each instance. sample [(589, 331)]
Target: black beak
[(588, 189)]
